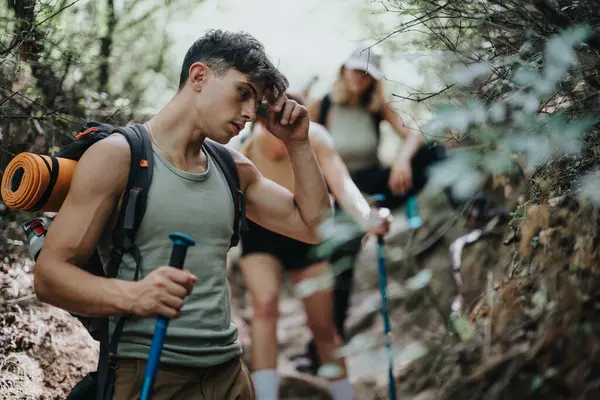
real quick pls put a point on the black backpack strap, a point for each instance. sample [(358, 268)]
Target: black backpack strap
[(130, 217), (225, 161), (136, 194), (140, 177), (324, 109)]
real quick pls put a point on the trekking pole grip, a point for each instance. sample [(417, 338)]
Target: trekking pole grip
[(181, 242)]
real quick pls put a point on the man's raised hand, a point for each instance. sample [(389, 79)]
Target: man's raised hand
[(286, 119)]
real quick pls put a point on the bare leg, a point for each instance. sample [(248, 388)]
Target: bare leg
[(262, 274), (319, 311)]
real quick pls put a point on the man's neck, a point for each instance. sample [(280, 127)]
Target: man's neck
[(177, 136)]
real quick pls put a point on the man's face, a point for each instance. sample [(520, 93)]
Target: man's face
[(227, 102)]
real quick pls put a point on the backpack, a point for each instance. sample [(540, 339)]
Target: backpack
[(99, 384), (326, 106)]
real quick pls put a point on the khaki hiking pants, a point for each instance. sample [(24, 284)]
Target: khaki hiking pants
[(228, 381)]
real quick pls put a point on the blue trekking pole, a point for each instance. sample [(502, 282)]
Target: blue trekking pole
[(412, 213), (181, 242), (379, 198)]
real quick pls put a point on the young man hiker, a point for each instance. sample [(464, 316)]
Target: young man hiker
[(266, 254), (223, 79)]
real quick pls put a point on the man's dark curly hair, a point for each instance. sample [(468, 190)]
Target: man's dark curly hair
[(223, 50)]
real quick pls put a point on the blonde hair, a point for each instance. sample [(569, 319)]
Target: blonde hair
[(372, 98)]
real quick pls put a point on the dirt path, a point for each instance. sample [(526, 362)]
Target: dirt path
[(412, 323), (45, 351)]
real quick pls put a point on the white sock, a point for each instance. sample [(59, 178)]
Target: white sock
[(341, 389), (266, 383)]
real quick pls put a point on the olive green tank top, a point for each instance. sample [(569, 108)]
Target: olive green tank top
[(199, 205)]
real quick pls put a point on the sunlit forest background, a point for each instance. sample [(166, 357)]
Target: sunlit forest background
[(511, 87)]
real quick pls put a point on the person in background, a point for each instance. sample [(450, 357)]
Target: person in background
[(352, 112), (266, 254)]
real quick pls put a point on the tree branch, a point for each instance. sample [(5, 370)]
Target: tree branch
[(425, 96), (58, 12)]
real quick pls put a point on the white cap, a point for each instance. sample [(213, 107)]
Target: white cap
[(366, 57)]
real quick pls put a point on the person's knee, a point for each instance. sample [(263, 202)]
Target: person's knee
[(266, 305)]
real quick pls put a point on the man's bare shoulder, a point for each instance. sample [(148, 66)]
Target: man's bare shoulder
[(98, 182), (114, 148), (106, 163), (246, 169)]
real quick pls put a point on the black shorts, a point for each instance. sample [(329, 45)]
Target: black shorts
[(291, 253)]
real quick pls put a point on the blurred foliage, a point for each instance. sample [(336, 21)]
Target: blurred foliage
[(518, 80), (63, 62), (517, 95)]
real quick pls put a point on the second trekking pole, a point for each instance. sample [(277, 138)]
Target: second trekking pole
[(181, 242), (384, 305)]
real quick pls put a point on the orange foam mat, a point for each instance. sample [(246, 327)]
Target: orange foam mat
[(28, 176)]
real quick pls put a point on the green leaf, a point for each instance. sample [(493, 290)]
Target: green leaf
[(359, 343), (526, 76), (526, 48), (536, 383), (420, 280), (463, 327), (466, 75), (497, 112), (330, 371), (499, 163), (410, 353)]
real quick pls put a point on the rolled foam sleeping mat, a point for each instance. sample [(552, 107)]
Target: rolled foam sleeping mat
[(34, 182)]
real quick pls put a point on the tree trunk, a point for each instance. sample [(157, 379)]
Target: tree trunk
[(106, 47), (27, 37)]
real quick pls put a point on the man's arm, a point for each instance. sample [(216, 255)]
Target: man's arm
[(274, 207), (295, 215), (96, 188)]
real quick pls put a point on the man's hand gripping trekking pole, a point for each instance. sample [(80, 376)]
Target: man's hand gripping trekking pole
[(181, 242)]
